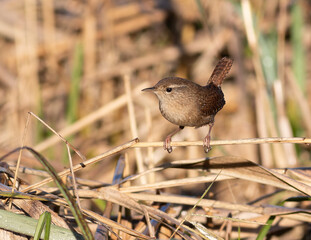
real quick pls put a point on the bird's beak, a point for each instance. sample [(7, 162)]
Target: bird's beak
[(151, 89)]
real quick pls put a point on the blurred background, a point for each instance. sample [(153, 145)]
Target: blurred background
[(72, 63)]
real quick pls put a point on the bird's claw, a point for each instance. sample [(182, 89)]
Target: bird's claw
[(207, 148), (167, 145), (206, 144)]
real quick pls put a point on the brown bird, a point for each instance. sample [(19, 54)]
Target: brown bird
[(185, 103)]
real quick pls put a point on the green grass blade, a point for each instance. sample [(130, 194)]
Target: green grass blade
[(40, 226), (24, 225), (299, 63), (19, 195), (70, 200), (48, 222), (202, 12), (74, 93), (76, 76), (265, 229), (44, 221)]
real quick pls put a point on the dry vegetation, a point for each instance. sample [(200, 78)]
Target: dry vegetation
[(80, 67)]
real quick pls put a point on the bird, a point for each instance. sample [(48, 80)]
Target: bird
[(188, 104)]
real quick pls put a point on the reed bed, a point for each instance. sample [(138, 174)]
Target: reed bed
[(82, 144)]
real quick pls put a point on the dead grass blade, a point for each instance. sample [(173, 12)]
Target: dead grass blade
[(102, 231), (125, 200), (268, 210), (173, 183), (239, 168), (248, 170), (195, 205), (232, 167)]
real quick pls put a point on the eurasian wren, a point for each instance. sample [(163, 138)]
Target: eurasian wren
[(185, 103)]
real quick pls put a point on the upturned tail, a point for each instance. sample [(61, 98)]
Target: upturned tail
[(220, 72)]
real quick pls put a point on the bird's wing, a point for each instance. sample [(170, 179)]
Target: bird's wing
[(211, 100)]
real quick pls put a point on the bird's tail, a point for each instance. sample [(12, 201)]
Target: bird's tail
[(221, 70)]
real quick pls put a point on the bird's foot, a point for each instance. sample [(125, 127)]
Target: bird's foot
[(206, 144), (167, 145)]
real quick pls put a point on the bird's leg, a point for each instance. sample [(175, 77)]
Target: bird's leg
[(167, 143), (207, 139)]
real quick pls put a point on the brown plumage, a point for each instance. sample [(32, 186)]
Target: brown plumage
[(185, 103)]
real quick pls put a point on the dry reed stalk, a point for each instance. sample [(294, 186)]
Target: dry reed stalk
[(126, 169), (149, 225), (31, 31), (253, 172), (127, 200), (168, 54), (27, 91), (63, 41), (305, 107), (49, 34), (133, 124), (284, 127), (205, 63), (231, 167), (136, 23), (124, 200), (115, 225), (101, 230), (261, 100), (174, 183), (277, 150), (269, 210), (150, 158), (297, 140), (87, 120), (242, 118), (117, 13), (123, 18), (84, 164), (41, 173), (20, 154), (283, 121), (184, 219), (6, 24), (89, 37), (74, 183)]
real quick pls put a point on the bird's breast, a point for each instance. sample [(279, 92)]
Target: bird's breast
[(182, 114)]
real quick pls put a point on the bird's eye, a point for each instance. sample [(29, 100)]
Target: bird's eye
[(169, 89)]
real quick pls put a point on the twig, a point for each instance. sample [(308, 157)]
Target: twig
[(74, 183), (58, 136)]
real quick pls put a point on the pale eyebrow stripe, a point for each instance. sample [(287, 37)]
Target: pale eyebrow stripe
[(175, 86)]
